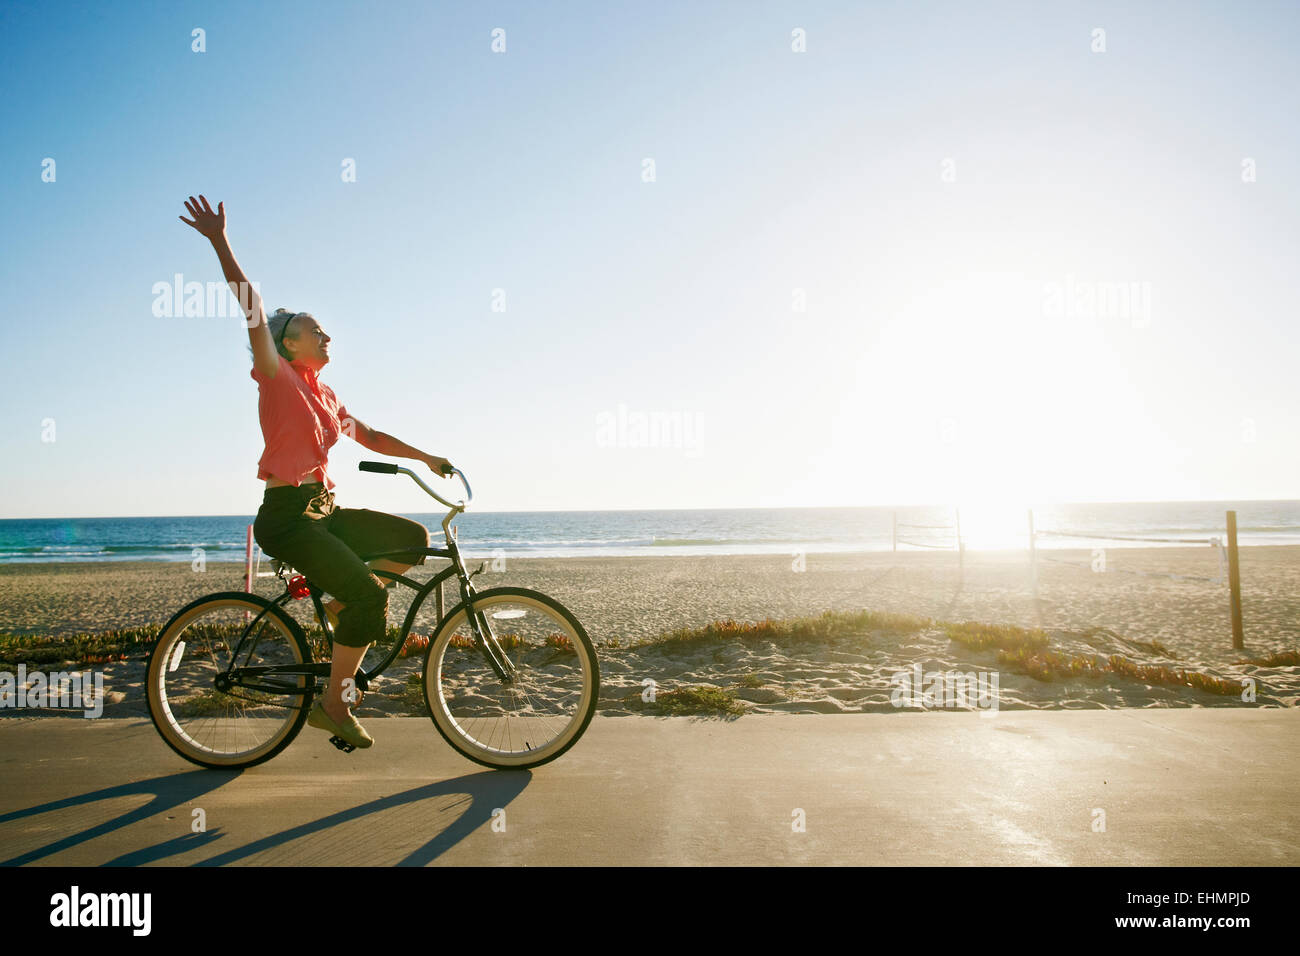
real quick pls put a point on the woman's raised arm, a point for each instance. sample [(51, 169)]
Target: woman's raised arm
[(213, 226)]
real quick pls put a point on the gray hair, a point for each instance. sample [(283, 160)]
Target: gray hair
[(278, 324)]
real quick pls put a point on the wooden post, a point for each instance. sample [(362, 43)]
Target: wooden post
[(1033, 554), (1234, 584), (895, 530), (961, 548)]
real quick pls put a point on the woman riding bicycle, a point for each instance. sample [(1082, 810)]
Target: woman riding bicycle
[(298, 523)]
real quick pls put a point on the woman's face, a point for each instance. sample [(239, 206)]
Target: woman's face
[(308, 342)]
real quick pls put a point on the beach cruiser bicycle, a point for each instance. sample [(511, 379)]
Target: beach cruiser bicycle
[(510, 676)]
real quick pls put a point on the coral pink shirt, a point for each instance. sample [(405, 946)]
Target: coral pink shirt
[(300, 422)]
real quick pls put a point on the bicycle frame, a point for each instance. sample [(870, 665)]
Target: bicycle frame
[(484, 638)]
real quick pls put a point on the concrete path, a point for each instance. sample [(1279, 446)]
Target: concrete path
[(1176, 787)]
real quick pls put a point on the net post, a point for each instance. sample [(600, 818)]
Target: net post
[(1234, 584), (1033, 554), (961, 547), (248, 567)]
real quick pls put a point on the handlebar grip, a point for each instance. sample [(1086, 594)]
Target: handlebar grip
[(382, 467)]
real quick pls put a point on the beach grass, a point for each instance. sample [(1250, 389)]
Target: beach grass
[(1006, 637), (688, 702), (118, 644), (1282, 659), (1153, 647), (98, 648), (413, 695), (415, 644), (827, 625), (1050, 666), (1106, 635)]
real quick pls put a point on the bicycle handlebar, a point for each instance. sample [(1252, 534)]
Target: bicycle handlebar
[(388, 468)]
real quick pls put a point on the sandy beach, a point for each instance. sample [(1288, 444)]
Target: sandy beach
[(623, 601)]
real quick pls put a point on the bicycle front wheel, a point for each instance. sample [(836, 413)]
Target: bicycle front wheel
[(226, 685), (538, 714)]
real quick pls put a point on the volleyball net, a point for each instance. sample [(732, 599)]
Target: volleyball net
[(1224, 548), (948, 535), (1099, 561)]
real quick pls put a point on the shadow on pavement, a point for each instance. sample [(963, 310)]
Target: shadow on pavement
[(168, 792), (486, 791)]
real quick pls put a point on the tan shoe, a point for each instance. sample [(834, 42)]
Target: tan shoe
[(352, 732)]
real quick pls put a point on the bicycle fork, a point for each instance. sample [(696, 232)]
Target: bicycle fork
[(484, 638)]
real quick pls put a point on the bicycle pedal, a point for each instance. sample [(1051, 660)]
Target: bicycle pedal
[(343, 745)]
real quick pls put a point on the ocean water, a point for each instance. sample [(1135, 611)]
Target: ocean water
[(727, 531)]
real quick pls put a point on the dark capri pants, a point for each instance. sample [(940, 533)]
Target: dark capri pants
[(300, 525)]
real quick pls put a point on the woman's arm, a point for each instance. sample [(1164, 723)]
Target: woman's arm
[(386, 444), (212, 225)]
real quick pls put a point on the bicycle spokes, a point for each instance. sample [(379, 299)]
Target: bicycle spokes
[(222, 690), (491, 647), (543, 700)]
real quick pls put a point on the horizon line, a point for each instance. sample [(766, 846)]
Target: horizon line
[(1142, 501)]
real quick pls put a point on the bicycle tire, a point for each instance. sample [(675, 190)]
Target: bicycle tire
[(178, 705), (454, 689)]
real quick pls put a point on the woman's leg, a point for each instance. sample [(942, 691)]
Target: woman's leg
[(378, 564), (367, 531), (294, 525), (347, 660), (344, 665)]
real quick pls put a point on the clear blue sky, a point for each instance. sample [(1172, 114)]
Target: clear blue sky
[(926, 366)]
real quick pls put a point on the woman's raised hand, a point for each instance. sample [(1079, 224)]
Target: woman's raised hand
[(209, 223)]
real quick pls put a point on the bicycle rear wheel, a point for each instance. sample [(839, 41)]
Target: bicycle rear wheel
[(217, 686), (539, 715)]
